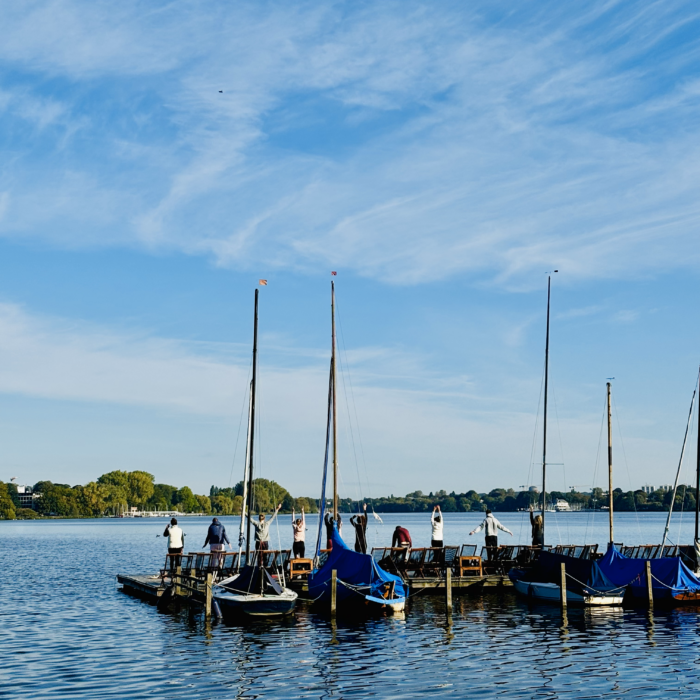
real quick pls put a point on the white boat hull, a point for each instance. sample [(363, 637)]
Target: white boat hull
[(255, 604), (551, 592), (395, 605)]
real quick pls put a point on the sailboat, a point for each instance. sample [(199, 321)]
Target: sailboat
[(586, 583), (671, 580), (253, 590), (358, 578)]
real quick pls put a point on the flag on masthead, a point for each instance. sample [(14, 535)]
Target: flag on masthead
[(263, 283)]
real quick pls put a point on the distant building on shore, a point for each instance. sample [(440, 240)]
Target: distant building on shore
[(27, 497), (648, 489)]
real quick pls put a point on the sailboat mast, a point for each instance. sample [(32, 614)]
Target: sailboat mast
[(241, 535), (697, 477), (610, 466), (249, 505), (544, 434), (335, 413)]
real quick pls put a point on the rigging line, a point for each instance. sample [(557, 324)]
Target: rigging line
[(240, 422), (343, 370), (346, 365), (624, 456), (680, 520), (590, 520), (534, 440), (561, 449)]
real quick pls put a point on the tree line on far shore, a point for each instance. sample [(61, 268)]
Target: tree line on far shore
[(116, 491)]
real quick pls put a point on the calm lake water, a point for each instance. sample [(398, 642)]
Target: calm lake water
[(67, 631)]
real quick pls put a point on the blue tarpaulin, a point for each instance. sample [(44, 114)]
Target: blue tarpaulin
[(359, 571), (670, 576)]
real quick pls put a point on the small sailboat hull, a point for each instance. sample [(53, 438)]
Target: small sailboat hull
[(551, 593), (256, 605)]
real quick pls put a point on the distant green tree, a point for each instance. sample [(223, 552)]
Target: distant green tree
[(141, 488), (7, 507), (185, 500), (204, 504)]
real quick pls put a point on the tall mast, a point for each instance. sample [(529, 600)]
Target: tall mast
[(544, 434), (678, 472), (697, 477), (335, 413), (610, 466), (249, 504), (244, 518)]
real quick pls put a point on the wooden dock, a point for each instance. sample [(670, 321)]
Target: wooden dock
[(475, 582), (148, 586)]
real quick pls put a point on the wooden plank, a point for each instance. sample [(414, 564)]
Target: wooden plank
[(152, 587)]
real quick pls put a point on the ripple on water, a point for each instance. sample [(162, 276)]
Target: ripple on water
[(68, 632)]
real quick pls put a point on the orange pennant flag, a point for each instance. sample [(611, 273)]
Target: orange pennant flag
[(263, 283)]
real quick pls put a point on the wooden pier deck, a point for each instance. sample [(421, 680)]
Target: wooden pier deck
[(148, 586), (476, 582)]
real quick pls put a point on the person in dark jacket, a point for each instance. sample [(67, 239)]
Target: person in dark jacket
[(329, 521), (359, 522), (216, 538), (537, 529)]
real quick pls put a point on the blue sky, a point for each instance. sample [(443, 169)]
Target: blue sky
[(158, 159)]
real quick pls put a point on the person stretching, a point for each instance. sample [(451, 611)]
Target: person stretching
[(436, 523), (299, 530), (359, 522), (491, 526), (262, 529)]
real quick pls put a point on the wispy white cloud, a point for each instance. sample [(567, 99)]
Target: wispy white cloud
[(407, 142)]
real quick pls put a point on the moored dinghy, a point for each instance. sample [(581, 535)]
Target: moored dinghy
[(360, 580), (586, 584), (254, 592)]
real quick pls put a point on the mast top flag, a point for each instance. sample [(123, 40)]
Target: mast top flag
[(263, 283)]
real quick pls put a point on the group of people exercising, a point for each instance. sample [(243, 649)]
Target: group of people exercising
[(217, 539)]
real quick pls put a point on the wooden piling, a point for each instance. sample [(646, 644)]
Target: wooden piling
[(207, 600), (448, 590), (650, 590), (178, 573), (334, 591), (563, 585)]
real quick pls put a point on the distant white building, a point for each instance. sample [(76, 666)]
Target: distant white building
[(648, 489), (27, 497)]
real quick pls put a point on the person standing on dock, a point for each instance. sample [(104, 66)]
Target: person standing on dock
[(436, 523), (330, 521), (262, 529), (299, 530), (176, 543), (491, 526), (537, 529), (359, 522), (216, 537)]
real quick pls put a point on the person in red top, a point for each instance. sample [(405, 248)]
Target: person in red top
[(401, 538)]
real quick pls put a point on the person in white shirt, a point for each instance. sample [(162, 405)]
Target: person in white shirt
[(436, 523), (299, 530), (491, 527), (176, 542)]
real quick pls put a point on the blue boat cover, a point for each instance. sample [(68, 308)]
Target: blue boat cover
[(670, 576), (584, 576), (359, 571)]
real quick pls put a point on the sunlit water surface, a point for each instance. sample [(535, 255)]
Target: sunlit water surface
[(67, 631)]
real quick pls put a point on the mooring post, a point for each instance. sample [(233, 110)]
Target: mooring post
[(448, 590), (563, 585), (650, 590), (334, 590), (177, 580), (207, 603)]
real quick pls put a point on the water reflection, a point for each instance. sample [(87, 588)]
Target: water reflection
[(82, 638)]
